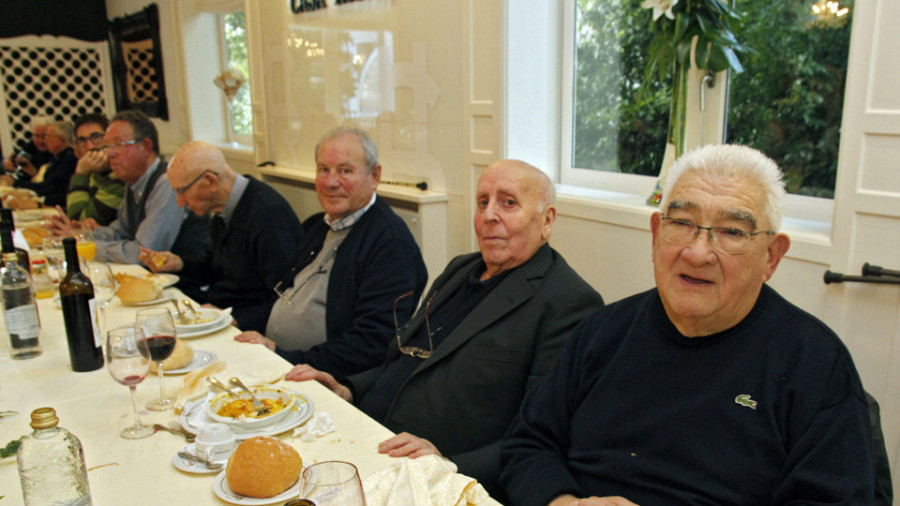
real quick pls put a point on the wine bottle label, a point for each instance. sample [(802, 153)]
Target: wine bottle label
[(95, 324), (22, 321)]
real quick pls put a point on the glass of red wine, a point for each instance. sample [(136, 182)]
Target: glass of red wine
[(128, 362), (159, 333)]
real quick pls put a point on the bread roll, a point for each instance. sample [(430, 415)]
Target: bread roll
[(35, 236), (179, 358), (263, 466), (138, 290)]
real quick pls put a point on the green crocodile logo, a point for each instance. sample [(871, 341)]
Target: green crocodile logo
[(745, 400)]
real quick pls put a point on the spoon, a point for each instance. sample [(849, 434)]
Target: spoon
[(187, 435), (218, 384), (261, 409), (181, 317), (187, 304), (190, 456)]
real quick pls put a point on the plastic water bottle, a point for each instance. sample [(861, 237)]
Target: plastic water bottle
[(20, 313), (51, 464)]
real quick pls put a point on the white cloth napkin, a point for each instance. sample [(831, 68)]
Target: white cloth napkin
[(425, 481), (317, 426), (194, 384)]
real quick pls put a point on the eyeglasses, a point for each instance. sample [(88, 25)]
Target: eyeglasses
[(413, 351), (730, 240), (96, 139), (121, 145), (187, 187)]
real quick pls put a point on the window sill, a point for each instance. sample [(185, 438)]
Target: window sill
[(810, 239), (237, 151)]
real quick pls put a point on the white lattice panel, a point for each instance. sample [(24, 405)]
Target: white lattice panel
[(58, 77)]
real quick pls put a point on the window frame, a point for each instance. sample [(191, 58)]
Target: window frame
[(230, 134)]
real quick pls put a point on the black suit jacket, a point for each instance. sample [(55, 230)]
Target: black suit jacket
[(464, 396)]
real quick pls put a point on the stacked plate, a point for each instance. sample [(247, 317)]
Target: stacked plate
[(196, 415), (208, 320)]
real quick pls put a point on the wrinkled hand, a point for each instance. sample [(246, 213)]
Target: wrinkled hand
[(407, 445), (59, 224), (92, 161), (173, 262), (306, 372), (90, 224), (27, 166), (570, 500), (252, 336)]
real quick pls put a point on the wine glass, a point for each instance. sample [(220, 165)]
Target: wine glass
[(56, 258), (128, 362), (104, 282), (159, 331), (332, 483)]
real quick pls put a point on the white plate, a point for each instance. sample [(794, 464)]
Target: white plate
[(189, 466), (213, 317), (220, 487), (201, 358), (162, 298), (163, 279), (221, 324), (194, 417)]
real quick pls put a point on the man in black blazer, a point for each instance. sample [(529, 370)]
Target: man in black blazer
[(255, 235), (490, 329)]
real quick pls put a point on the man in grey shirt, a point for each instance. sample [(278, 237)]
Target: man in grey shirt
[(149, 215)]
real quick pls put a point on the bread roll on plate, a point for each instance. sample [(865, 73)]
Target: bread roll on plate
[(262, 467), (181, 357), (137, 290)]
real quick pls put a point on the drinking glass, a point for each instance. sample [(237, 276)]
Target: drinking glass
[(128, 362), (56, 258), (159, 331), (85, 244), (332, 483), (103, 280)]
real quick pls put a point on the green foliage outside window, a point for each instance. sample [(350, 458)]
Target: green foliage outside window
[(236, 56), (787, 102)]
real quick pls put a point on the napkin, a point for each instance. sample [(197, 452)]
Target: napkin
[(194, 384), (425, 481), (317, 426)]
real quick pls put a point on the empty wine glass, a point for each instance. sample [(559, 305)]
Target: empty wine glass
[(159, 331), (332, 483), (56, 258), (128, 362), (103, 280)]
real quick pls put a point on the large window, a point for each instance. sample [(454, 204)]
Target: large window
[(787, 102), (240, 112)]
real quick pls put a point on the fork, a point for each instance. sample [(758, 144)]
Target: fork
[(261, 409)]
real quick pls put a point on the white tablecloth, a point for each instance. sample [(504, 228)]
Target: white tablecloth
[(94, 407)]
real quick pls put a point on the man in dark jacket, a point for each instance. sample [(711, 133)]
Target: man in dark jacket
[(52, 180), (335, 306), (255, 236), (489, 331)]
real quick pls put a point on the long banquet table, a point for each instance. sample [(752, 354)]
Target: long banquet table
[(94, 407)]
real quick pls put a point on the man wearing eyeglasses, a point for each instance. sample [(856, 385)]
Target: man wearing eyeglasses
[(334, 306), (489, 330), (708, 389), (95, 193), (51, 180), (149, 215), (255, 235)]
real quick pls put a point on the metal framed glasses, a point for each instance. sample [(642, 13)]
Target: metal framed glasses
[(185, 188), (121, 145), (413, 351), (96, 138), (730, 240)]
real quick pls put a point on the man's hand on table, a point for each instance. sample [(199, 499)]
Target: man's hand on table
[(306, 372), (407, 445), (254, 337), (571, 500), (160, 261)]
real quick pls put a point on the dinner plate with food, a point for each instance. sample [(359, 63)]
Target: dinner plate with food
[(135, 291), (217, 326), (262, 470), (201, 319), (297, 410)]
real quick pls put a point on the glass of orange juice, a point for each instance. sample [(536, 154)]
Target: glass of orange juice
[(85, 245)]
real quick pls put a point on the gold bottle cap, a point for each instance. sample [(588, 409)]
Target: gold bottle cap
[(44, 418)]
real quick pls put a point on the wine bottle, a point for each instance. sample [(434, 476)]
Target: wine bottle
[(20, 313), (76, 294), (7, 227)]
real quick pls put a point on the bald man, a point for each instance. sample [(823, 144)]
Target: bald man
[(488, 331), (255, 235)]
